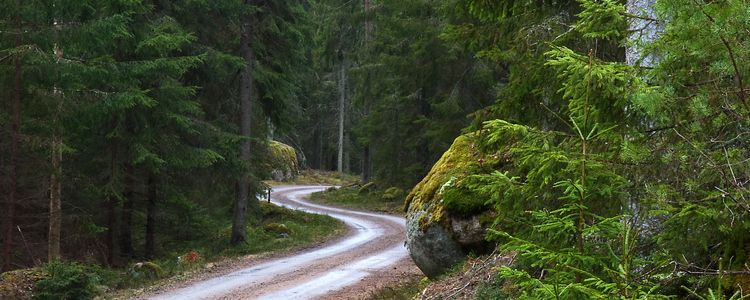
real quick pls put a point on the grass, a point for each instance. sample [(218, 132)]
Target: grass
[(298, 228), (264, 237), (316, 177), (351, 197), (404, 290)]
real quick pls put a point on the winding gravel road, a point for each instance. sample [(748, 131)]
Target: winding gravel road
[(373, 244)]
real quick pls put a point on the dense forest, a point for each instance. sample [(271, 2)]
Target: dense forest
[(622, 126)]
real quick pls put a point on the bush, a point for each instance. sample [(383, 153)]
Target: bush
[(66, 281)]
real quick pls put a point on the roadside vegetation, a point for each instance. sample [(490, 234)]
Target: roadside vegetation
[(277, 229), (366, 198)]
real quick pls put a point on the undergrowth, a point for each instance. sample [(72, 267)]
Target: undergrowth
[(275, 229), (376, 200)]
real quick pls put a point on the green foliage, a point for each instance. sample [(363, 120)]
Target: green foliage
[(67, 281), (374, 201), (494, 290)]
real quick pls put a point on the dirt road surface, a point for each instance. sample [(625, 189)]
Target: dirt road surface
[(371, 252)]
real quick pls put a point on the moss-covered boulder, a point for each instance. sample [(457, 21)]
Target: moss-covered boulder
[(285, 167), (445, 220)]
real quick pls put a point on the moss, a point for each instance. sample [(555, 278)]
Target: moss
[(460, 161), (395, 191), (19, 284), (277, 228), (154, 268), (462, 201), (286, 159), (367, 187), (453, 161)]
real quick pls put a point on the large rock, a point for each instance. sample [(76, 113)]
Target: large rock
[(445, 221), (285, 167)]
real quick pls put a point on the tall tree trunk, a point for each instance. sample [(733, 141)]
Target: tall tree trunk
[(317, 145), (55, 195), (366, 168), (150, 219), (645, 31), (342, 98), (112, 206), (55, 216), (366, 160), (241, 190), (126, 222), (14, 147)]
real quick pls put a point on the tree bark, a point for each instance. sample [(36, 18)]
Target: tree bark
[(239, 222), (111, 207), (14, 147), (645, 31), (126, 222), (55, 201), (317, 145), (55, 195), (150, 219), (342, 98), (111, 229), (366, 168)]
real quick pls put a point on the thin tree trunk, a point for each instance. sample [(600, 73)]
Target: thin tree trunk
[(342, 89), (366, 169), (317, 145), (150, 219), (111, 207), (239, 222), (55, 216), (14, 148), (126, 222), (111, 229), (55, 198)]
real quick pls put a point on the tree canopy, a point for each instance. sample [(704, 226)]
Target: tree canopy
[(146, 123)]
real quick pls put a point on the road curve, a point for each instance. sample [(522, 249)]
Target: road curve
[(374, 242)]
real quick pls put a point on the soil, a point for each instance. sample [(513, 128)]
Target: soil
[(368, 257)]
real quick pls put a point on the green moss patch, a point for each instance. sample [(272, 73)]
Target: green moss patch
[(285, 160), (462, 201), (441, 189)]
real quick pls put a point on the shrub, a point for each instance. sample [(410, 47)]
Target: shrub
[(66, 281)]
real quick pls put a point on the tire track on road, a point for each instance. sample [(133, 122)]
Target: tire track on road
[(374, 242)]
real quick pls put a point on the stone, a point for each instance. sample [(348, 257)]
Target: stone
[(285, 166), (445, 220)]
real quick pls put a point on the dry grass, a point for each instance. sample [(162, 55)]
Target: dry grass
[(473, 280)]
